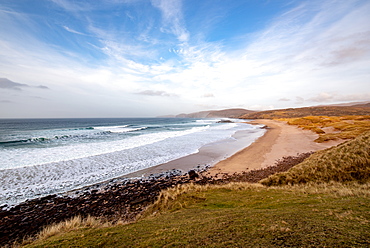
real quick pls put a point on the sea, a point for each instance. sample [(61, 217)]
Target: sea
[(39, 157)]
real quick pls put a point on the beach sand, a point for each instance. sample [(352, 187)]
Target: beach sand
[(208, 155), (279, 141)]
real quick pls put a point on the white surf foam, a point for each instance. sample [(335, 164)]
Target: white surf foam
[(79, 165)]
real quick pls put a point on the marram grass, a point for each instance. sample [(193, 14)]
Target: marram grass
[(343, 127), (347, 162)]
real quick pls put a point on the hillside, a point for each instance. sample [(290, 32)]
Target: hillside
[(363, 109), (225, 113)]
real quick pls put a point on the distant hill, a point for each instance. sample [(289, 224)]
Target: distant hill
[(347, 104), (226, 113), (365, 105), (361, 109)]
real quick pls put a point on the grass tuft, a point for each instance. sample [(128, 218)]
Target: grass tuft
[(171, 199), (70, 225)]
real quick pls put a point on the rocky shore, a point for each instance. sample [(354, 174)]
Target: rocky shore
[(118, 199)]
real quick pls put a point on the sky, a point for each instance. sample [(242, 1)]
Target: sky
[(146, 58)]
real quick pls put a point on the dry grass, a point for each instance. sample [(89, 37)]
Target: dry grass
[(348, 162), (72, 224), (310, 111), (345, 127), (333, 188)]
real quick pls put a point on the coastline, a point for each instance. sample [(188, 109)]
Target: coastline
[(241, 155), (126, 197), (205, 158)]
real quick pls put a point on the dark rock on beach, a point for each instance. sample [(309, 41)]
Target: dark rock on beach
[(193, 175), (224, 121)]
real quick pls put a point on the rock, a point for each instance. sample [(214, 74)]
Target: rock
[(192, 174), (224, 121)]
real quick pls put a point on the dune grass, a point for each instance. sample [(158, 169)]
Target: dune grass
[(342, 127), (346, 162), (237, 215)]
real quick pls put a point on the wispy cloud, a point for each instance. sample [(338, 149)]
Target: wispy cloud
[(73, 31), (325, 97), (172, 18), (155, 93), (7, 84), (72, 6)]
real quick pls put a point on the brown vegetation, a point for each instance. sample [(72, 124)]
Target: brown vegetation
[(309, 111), (334, 127), (347, 162)]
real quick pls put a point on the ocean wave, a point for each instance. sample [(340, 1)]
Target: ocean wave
[(53, 138), (29, 173), (75, 150), (120, 129)]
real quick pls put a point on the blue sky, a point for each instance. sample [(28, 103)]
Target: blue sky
[(141, 58)]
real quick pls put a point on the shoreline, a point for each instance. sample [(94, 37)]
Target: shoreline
[(207, 156), (280, 140)]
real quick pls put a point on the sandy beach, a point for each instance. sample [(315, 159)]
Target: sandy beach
[(279, 141), (208, 155)]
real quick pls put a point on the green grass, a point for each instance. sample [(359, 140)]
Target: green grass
[(240, 215)]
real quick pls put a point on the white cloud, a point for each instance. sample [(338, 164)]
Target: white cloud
[(325, 97)]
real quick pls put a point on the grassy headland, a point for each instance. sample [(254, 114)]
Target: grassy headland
[(363, 109)]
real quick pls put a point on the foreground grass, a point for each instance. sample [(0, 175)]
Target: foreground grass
[(238, 215)]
